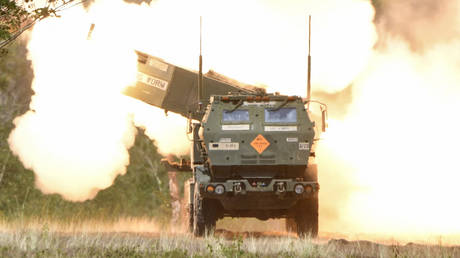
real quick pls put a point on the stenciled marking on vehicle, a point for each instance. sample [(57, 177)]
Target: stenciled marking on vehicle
[(152, 81), (260, 104), (225, 140), (304, 146), (291, 128), (224, 146), (157, 64), (292, 139), (235, 127)]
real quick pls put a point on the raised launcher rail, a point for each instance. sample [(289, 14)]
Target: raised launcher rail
[(175, 89)]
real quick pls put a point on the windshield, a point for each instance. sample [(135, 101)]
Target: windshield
[(237, 115), (282, 115)]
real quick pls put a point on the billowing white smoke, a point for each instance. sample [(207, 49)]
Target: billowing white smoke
[(76, 135), (167, 130), (396, 148)]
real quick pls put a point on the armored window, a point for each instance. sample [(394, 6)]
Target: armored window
[(235, 116), (282, 115)]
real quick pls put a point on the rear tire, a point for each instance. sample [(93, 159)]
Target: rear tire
[(307, 217)]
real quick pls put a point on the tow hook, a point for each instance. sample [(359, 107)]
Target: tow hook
[(281, 187), (238, 188)]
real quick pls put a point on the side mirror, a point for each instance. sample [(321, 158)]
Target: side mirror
[(189, 126), (323, 120), (323, 108)]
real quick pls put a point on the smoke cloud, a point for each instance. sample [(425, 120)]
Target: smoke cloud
[(396, 144), (421, 24), (76, 134)]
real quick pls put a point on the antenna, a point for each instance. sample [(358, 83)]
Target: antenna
[(200, 72), (309, 62), (90, 32)]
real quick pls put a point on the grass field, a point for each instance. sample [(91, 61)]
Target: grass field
[(145, 238)]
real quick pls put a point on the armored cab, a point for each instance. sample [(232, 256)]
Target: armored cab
[(246, 136), (254, 162)]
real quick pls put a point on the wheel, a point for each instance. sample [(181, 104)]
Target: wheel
[(291, 226), (204, 215), (307, 217), (198, 216)]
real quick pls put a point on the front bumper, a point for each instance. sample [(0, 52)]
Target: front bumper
[(242, 187)]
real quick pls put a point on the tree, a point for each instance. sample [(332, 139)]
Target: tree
[(16, 18)]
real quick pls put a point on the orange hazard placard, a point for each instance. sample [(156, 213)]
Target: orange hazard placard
[(260, 143)]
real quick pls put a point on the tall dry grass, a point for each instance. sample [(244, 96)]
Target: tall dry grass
[(146, 238)]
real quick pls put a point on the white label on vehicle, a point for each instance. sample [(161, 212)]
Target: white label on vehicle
[(224, 146), (235, 127), (157, 64), (260, 104), (152, 81), (292, 139), (280, 128), (304, 146), (225, 140)]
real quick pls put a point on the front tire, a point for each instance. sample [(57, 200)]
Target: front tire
[(188, 206), (307, 217), (198, 216), (204, 215)]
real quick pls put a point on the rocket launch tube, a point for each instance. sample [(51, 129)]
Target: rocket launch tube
[(175, 89)]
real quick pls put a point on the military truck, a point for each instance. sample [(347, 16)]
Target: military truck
[(251, 153)]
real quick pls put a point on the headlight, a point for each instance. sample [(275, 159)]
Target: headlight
[(220, 189), (299, 189)]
